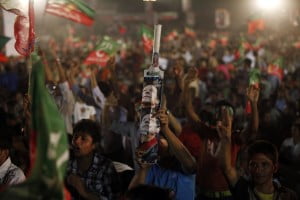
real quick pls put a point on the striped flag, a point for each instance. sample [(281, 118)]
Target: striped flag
[(75, 10)]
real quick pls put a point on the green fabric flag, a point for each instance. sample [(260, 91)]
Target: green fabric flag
[(254, 77), (103, 52), (75, 10), (3, 41), (147, 38), (49, 134)]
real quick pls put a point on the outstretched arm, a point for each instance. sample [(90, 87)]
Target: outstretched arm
[(178, 149), (224, 129), (252, 95)]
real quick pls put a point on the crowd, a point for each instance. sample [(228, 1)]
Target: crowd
[(223, 134)]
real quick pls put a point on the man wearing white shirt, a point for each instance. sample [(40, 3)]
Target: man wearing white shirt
[(10, 174)]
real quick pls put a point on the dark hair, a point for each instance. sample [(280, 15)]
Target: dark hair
[(148, 192), (247, 61), (263, 147), (105, 88), (90, 127), (5, 141)]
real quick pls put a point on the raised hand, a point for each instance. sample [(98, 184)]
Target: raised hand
[(224, 127), (253, 93)]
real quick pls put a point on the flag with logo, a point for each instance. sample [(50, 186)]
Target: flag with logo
[(24, 24), (48, 145), (276, 68), (147, 38), (103, 52), (75, 10)]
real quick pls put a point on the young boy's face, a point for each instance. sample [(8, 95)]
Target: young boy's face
[(261, 169), (82, 144)]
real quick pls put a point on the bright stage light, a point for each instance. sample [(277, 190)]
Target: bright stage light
[(268, 4)]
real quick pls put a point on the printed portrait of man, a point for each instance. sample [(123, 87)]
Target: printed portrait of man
[(150, 95), (149, 128)]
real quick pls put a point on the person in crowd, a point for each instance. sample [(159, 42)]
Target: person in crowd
[(90, 175), (262, 165), (175, 169), (201, 138), (10, 174)]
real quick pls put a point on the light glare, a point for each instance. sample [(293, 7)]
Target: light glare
[(268, 4)]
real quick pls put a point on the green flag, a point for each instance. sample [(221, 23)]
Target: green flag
[(3, 41), (102, 53), (47, 176), (254, 77)]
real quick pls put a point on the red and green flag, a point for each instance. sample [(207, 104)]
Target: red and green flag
[(189, 32), (24, 24), (49, 145), (75, 10), (171, 36), (244, 45), (103, 52), (276, 68), (255, 23), (147, 38)]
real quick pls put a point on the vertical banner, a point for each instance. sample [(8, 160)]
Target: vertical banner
[(8, 26), (222, 18), (151, 101)]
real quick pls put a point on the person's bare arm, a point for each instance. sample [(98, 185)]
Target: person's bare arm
[(48, 73), (140, 177), (224, 129), (253, 96), (178, 149)]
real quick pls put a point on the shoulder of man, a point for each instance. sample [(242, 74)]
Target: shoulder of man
[(14, 175), (285, 193)]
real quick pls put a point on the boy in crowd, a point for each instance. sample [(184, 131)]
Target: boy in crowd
[(90, 175), (262, 165)]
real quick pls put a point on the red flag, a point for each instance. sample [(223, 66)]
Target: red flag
[(24, 24), (254, 25)]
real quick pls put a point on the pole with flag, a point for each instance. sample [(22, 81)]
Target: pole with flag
[(49, 145)]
